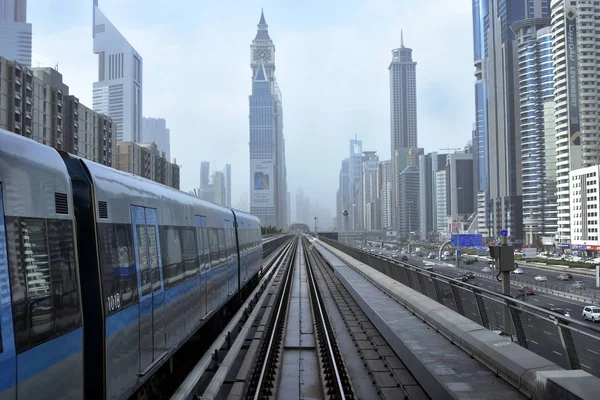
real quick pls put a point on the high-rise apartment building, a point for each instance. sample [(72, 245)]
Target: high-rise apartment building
[(370, 197), (42, 109), (155, 130), (585, 220), (538, 151), (575, 35), (403, 111), (500, 72), (15, 32), (385, 177), (441, 200), (118, 90), (146, 161), (204, 174), (429, 165), (268, 191)]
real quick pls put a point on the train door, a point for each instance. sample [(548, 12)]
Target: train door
[(8, 361), (150, 286), (204, 269), (230, 257)]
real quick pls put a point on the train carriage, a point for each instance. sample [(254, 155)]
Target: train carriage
[(40, 315), (103, 274)]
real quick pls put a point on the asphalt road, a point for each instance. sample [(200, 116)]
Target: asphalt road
[(542, 334)]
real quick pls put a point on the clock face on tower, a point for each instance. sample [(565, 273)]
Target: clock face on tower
[(262, 54)]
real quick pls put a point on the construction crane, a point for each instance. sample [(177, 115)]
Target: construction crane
[(453, 149)]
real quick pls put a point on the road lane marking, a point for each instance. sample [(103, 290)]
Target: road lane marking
[(535, 300), (556, 352), (533, 341), (551, 304), (583, 365), (592, 351), (547, 333)]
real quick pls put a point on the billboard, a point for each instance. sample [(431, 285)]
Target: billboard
[(529, 252), (572, 77), (262, 190)]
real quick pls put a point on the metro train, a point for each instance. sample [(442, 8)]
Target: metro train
[(103, 274)]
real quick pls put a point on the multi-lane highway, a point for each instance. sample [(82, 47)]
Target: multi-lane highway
[(542, 333)]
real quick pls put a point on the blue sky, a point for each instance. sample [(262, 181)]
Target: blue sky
[(331, 56)]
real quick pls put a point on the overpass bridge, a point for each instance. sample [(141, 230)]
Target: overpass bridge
[(299, 227)]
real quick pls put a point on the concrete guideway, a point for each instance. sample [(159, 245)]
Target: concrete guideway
[(530, 373)]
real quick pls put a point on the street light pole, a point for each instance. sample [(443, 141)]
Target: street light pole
[(315, 226), (457, 229)]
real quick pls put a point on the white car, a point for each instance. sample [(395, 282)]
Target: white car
[(486, 269), (591, 313), (518, 271), (541, 278)]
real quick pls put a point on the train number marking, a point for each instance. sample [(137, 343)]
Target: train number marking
[(114, 301)]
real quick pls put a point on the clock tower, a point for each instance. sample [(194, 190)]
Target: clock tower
[(262, 50)]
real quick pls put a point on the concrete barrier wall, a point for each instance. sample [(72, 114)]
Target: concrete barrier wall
[(532, 374)]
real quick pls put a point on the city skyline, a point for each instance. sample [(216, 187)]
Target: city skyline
[(208, 140)]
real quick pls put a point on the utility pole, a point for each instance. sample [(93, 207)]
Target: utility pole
[(315, 226), (505, 261)]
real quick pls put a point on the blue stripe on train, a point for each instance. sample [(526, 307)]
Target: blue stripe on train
[(39, 358), (129, 315)]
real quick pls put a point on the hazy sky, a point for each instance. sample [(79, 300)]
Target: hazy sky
[(331, 57)]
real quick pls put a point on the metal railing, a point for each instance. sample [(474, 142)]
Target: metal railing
[(567, 342)]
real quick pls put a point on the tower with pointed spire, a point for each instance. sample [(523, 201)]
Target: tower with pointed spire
[(268, 185), (403, 120)]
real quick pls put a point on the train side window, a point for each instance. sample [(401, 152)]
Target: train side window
[(214, 247), (65, 282), (190, 252), (31, 282), (172, 255), (119, 276), (142, 247), (222, 247), (153, 253), (205, 249)]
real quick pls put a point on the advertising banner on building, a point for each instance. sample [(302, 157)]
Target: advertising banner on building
[(572, 77), (262, 190)]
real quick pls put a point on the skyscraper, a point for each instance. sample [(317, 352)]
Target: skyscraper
[(503, 125), (538, 150), (385, 177), (118, 91), (207, 191), (403, 112), (15, 32), (219, 189), (480, 136), (370, 198), (355, 185), (268, 184), (429, 165), (228, 185), (344, 203), (576, 84), (155, 130)]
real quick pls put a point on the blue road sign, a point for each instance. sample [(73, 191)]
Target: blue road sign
[(482, 250), (468, 240), (410, 247)]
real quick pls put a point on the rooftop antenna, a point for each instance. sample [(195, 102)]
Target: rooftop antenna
[(56, 66)]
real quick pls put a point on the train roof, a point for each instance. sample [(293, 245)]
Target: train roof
[(35, 180)]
